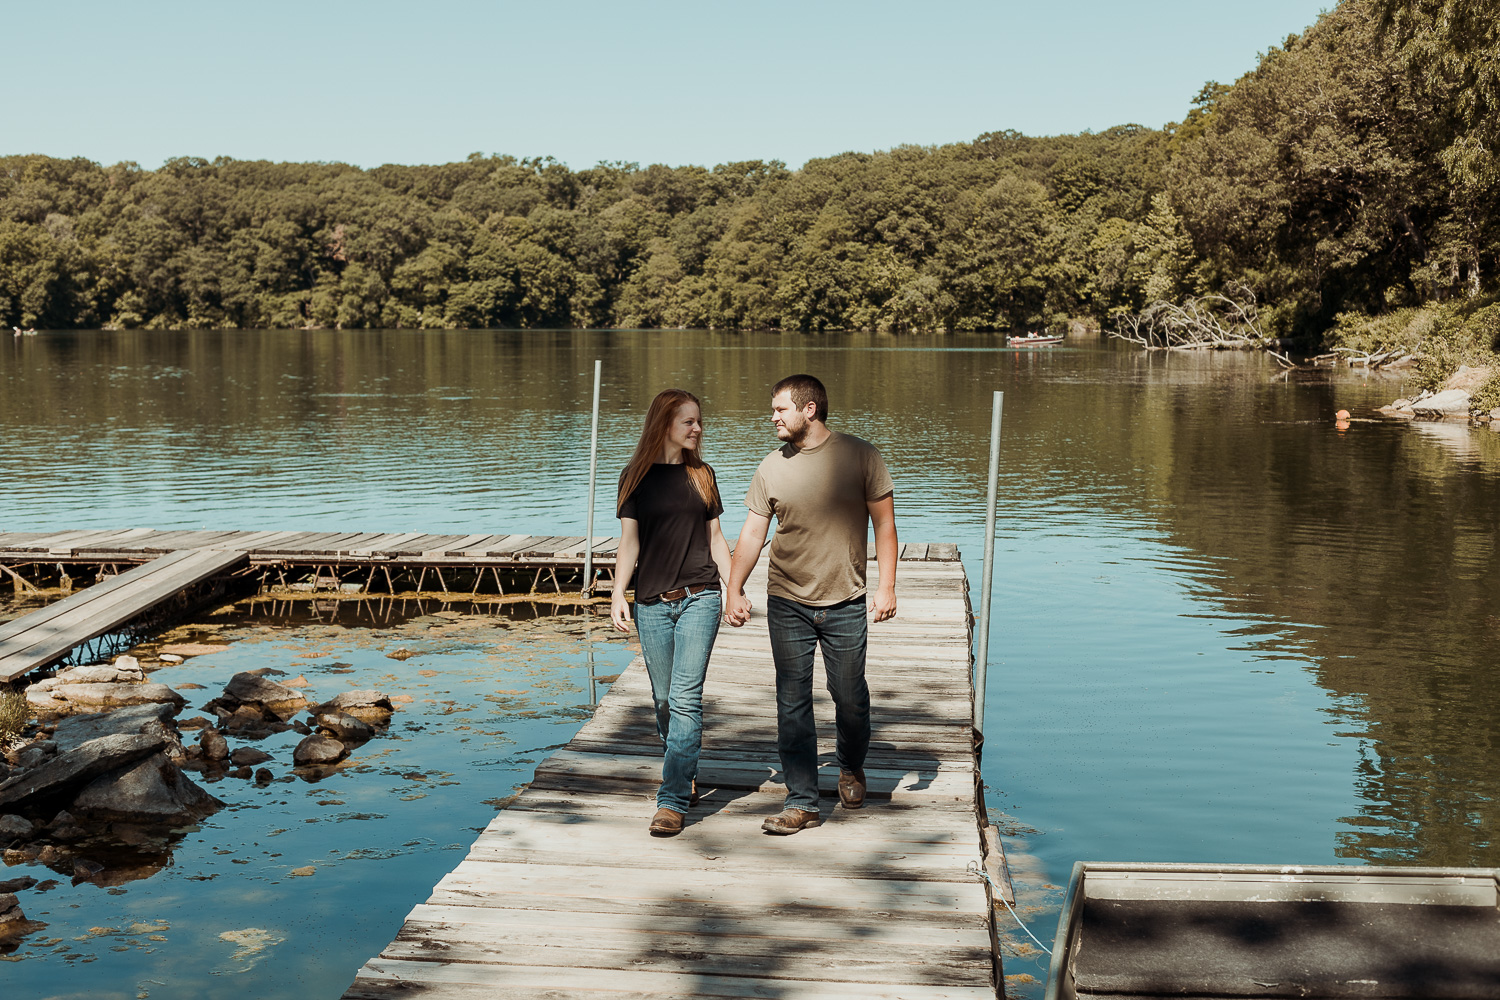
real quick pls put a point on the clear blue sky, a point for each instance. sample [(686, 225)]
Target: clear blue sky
[(373, 81)]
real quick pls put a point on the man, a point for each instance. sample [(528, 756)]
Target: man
[(824, 488)]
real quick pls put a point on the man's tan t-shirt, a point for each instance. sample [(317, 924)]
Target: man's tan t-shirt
[(818, 497)]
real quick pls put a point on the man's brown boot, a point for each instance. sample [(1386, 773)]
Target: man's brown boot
[(666, 823), (852, 788), (789, 821)]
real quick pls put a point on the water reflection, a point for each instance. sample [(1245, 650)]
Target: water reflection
[(1226, 629)]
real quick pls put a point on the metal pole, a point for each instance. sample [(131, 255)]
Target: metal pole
[(982, 654), (588, 532)]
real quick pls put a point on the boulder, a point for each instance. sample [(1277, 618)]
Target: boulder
[(264, 776), (77, 730), (65, 827), (213, 745), (248, 755), (1445, 403), (370, 706), (318, 750), (67, 772), (345, 727), (10, 909), (13, 827), (17, 884), (248, 690), (152, 791), (61, 699), (35, 755)]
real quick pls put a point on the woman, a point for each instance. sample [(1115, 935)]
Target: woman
[(671, 544)]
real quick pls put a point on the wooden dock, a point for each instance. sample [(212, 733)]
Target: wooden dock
[(50, 633), (566, 895)]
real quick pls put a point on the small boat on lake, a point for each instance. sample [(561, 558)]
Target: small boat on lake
[(1249, 931), (1033, 340)]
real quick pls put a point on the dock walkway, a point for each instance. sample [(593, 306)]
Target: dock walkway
[(46, 635), (565, 893)]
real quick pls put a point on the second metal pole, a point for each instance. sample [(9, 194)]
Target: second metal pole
[(982, 653), (588, 531)]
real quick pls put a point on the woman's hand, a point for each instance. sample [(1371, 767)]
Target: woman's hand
[(738, 611), (619, 611)]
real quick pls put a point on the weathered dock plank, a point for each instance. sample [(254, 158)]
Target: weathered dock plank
[(566, 894), (43, 636)]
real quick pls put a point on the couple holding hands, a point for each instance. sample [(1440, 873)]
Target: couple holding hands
[(824, 488)]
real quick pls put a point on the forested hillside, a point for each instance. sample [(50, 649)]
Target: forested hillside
[(1353, 172)]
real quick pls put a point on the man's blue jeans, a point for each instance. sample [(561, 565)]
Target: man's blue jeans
[(842, 631), (676, 638)]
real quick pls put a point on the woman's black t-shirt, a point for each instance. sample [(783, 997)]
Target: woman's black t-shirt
[(673, 530)]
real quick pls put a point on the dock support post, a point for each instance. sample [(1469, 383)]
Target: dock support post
[(588, 529), (982, 654)]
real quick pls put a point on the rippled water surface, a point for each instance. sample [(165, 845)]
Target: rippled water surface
[(1225, 630)]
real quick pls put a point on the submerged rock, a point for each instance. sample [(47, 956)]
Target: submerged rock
[(152, 791), (318, 750), (248, 755)]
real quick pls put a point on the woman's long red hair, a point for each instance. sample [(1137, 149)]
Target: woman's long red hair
[(653, 441)]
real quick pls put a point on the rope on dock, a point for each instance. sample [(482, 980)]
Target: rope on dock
[(976, 869)]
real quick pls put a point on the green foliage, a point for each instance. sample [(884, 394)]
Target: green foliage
[(1349, 180)]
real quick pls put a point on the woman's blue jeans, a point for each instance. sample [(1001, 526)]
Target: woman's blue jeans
[(676, 638), (842, 631)]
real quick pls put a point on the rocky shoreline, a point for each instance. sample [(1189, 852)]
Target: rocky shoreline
[(1453, 400), (108, 768)]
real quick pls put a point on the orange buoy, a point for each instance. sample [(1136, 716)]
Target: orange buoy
[(1341, 415)]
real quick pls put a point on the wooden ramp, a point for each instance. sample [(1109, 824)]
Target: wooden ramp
[(566, 895), (41, 637)]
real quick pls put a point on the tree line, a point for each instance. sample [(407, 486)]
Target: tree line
[(1352, 172)]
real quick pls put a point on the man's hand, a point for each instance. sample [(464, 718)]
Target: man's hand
[(619, 612), (883, 607), (738, 611)]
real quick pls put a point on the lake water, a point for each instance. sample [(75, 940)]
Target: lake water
[(1225, 629)]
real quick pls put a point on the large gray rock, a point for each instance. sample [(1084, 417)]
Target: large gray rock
[(1445, 403), (153, 791), (62, 699), (318, 750), (77, 730), (67, 772), (345, 727)]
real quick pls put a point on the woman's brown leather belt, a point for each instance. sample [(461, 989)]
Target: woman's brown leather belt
[(680, 593)]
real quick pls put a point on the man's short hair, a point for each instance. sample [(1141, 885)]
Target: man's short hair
[(804, 389)]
